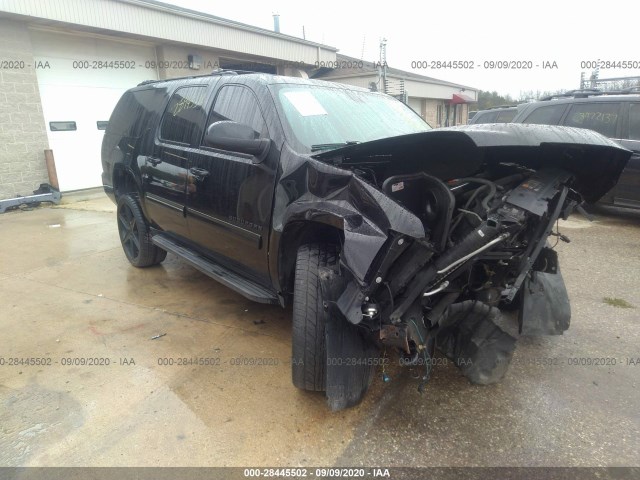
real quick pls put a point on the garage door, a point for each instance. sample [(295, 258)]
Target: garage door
[(79, 89)]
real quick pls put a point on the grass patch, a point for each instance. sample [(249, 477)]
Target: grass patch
[(617, 302)]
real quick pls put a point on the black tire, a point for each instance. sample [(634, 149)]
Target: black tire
[(134, 234), (308, 349)]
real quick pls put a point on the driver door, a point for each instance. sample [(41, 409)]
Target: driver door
[(230, 194)]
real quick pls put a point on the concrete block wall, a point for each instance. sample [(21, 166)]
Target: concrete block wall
[(23, 137), (430, 111)]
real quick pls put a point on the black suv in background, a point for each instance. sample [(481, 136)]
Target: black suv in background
[(383, 234), (613, 114), (502, 114)]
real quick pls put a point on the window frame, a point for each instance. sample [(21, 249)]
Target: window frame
[(205, 107), (207, 124)]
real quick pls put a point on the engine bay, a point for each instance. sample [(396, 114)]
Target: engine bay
[(450, 245), (459, 287)]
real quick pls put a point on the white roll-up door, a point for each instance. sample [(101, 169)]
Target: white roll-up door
[(81, 79)]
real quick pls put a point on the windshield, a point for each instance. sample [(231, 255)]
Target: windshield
[(321, 118)]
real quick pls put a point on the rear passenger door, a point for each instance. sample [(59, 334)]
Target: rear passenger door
[(229, 199), (165, 172)]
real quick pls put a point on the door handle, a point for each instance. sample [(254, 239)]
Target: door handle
[(199, 173), (154, 161)]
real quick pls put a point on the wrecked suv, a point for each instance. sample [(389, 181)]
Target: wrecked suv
[(383, 234)]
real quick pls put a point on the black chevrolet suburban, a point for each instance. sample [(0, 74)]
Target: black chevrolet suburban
[(383, 234)]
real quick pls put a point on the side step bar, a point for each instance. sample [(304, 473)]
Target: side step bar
[(244, 287)]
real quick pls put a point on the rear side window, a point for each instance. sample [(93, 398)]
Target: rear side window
[(184, 118), (634, 121), (547, 115), (489, 117), (239, 104), (601, 117), (136, 111), (506, 116)]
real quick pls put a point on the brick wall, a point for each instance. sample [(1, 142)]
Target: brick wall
[(23, 137), (431, 108)]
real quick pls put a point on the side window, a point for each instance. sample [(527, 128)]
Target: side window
[(548, 115), (136, 110), (634, 121), (601, 117), (506, 116), (489, 117), (183, 120), (238, 104)]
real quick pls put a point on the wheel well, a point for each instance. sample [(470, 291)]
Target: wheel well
[(295, 235), (123, 182)]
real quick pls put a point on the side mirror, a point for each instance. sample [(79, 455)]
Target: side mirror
[(236, 137)]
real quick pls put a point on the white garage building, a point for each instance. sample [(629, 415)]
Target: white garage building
[(65, 63), (77, 102)]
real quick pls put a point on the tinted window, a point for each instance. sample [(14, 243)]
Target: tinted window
[(489, 117), (239, 104), (62, 126), (634, 121), (183, 120), (549, 115), (601, 117), (136, 111), (506, 116)]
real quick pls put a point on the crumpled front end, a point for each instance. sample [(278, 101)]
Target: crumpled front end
[(445, 238)]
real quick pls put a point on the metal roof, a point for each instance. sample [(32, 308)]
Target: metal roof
[(369, 68), (158, 22)]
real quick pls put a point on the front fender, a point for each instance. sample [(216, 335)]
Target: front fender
[(309, 190)]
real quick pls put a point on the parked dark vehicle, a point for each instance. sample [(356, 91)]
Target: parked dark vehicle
[(613, 114), (384, 235), (502, 114)]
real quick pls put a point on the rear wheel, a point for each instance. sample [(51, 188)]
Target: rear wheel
[(134, 234), (308, 350)]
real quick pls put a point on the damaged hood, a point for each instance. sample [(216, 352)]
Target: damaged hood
[(449, 153)]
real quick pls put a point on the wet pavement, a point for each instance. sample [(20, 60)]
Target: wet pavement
[(102, 392)]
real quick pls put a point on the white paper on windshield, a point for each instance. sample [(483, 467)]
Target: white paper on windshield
[(305, 103)]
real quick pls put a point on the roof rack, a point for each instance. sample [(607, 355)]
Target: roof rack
[(216, 72), (501, 106), (592, 92)]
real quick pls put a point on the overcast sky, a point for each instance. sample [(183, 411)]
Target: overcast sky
[(565, 32)]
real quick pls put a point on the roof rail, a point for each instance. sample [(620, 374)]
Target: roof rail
[(502, 106), (592, 92), (578, 93), (216, 72)]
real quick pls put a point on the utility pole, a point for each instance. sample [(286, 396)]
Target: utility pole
[(382, 68)]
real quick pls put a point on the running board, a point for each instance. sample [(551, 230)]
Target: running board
[(244, 287)]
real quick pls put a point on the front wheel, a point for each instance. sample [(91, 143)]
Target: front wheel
[(134, 234), (309, 354)]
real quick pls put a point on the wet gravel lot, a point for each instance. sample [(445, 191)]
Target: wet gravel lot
[(68, 293)]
